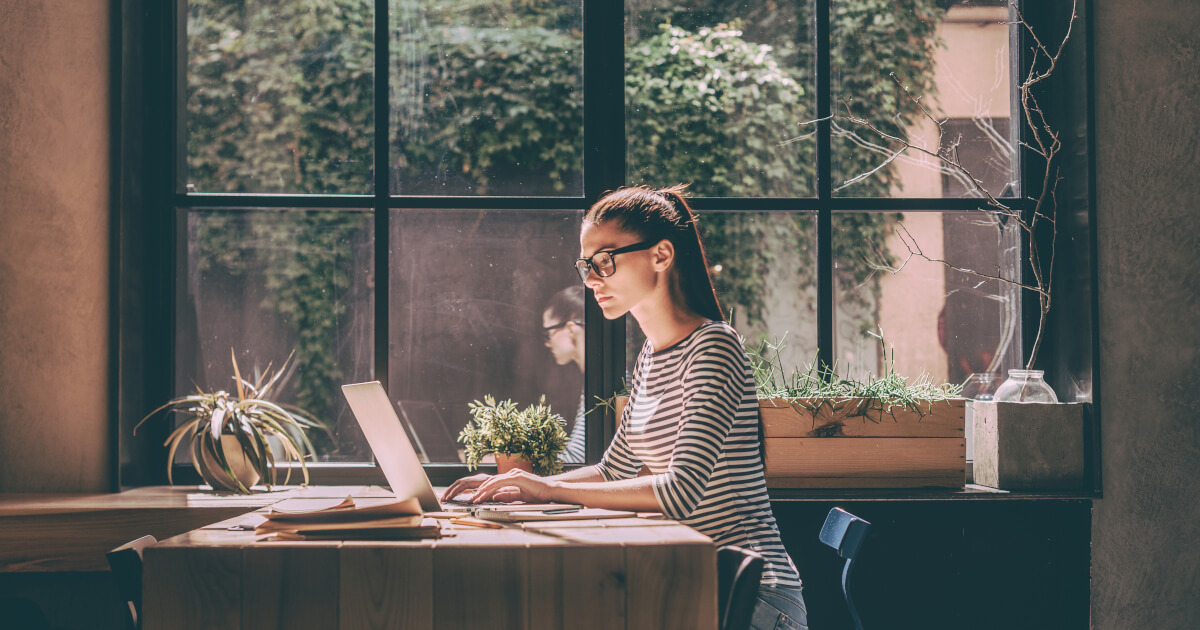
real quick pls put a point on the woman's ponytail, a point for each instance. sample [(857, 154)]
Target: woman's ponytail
[(695, 282)]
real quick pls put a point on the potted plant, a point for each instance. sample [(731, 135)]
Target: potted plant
[(531, 439), (236, 438)]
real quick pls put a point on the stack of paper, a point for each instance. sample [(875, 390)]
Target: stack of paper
[(348, 519)]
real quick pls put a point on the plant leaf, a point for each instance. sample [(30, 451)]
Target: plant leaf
[(237, 376)]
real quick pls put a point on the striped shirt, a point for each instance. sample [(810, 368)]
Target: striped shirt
[(692, 420), (577, 443)]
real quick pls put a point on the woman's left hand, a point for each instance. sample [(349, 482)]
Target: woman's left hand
[(515, 485)]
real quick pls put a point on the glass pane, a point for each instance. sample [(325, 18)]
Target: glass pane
[(934, 320), (280, 96), (716, 94), (763, 265), (469, 292), (487, 97), (953, 57), (270, 283)]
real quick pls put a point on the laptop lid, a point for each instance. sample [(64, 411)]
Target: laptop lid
[(394, 452)]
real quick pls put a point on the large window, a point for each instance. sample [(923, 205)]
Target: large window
[(392, 189)]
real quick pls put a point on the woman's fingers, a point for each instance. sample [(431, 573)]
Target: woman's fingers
[(462, 485)]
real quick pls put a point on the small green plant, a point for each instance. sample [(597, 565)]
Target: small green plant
[(250, 416), (816, 385), (500, 428)]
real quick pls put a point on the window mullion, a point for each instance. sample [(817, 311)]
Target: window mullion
[(603, 170), (381, 188), (825, 307)]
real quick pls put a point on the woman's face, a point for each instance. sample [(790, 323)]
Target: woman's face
[(635, 276), (561, 340)]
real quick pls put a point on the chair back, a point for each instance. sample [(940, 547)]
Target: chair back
[(845, 533), (739, 572), (126, 564)]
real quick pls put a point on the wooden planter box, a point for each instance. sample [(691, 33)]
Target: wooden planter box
[(853, 443), (1030, 446)]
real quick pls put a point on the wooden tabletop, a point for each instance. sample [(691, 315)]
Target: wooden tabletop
[(610, 574)]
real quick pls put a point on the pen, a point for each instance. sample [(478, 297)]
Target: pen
[(561, 510)]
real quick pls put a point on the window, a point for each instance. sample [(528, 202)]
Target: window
[(391, 189)]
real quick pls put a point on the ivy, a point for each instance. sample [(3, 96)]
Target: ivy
[(488, 99)]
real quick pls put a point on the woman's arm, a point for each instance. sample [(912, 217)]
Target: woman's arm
[(635, 494)]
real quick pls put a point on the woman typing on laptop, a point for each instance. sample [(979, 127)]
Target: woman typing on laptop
[(692, 418)]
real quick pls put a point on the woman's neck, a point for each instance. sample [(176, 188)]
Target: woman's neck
[(666, 324)]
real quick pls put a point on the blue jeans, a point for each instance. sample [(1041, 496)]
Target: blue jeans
[(779, 609)]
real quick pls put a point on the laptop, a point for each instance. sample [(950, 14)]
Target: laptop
[(399, 461)]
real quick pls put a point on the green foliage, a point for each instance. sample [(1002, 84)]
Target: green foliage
[(487, 99), (534, 432), (817, 383)]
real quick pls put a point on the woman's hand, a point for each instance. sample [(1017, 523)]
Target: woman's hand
[(463, 485), (514, 485)]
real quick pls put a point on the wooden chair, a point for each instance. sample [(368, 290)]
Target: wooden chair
[(126, 564), (738, 574), (845, 532)]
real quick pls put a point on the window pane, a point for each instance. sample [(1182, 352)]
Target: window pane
[(934, 320), (716, 94), (267, 284), (954, 57), (763, 265), (469, 291), (280, 96), (487, 97)]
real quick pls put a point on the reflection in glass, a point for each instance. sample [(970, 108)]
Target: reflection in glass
[(716, 94), (763, 265), (953, 57), (935, 320), (469, 292), (280, 96), (270, 283), (486, 97)]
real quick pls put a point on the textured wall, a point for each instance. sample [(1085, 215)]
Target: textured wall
[(54, 154), (1145, 558)]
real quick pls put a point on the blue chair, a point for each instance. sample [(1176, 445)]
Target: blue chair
[(126, 564), (845, 532), (739, 572)]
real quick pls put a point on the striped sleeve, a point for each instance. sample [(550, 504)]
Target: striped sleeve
[(618, 461), (712, 383)]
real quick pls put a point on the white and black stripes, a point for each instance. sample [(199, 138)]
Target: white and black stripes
[(692, 420)]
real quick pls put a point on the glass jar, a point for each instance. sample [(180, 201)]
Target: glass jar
[(1025, 386)]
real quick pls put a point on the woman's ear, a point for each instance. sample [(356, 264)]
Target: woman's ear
[(662, 255)]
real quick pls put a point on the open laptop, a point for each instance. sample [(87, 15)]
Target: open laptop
[(394, 452)]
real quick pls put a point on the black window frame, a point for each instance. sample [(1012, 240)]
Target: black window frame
[(150, 200)]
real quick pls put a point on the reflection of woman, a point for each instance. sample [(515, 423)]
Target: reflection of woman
[(562, 322), (692, 417)]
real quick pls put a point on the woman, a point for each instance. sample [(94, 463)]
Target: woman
[(562, 322), (692, 418)]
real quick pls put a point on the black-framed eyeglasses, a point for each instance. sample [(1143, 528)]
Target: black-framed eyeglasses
[(603, 262), (549, 330)]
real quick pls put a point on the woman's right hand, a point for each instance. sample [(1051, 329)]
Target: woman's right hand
[(463, 485)]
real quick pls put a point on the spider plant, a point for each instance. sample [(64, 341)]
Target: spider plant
[(252, 418)]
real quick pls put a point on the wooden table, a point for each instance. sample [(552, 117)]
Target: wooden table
[(610, 574)]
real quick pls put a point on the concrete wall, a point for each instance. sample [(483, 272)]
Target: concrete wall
[(1145, 557), (54, 188)]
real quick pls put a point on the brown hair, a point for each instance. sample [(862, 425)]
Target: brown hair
[(665, 214)]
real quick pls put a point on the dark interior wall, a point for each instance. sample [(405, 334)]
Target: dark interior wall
[(1145, 560), (54, 245)]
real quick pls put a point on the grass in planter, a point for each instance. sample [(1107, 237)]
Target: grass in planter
[(818, 386)]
